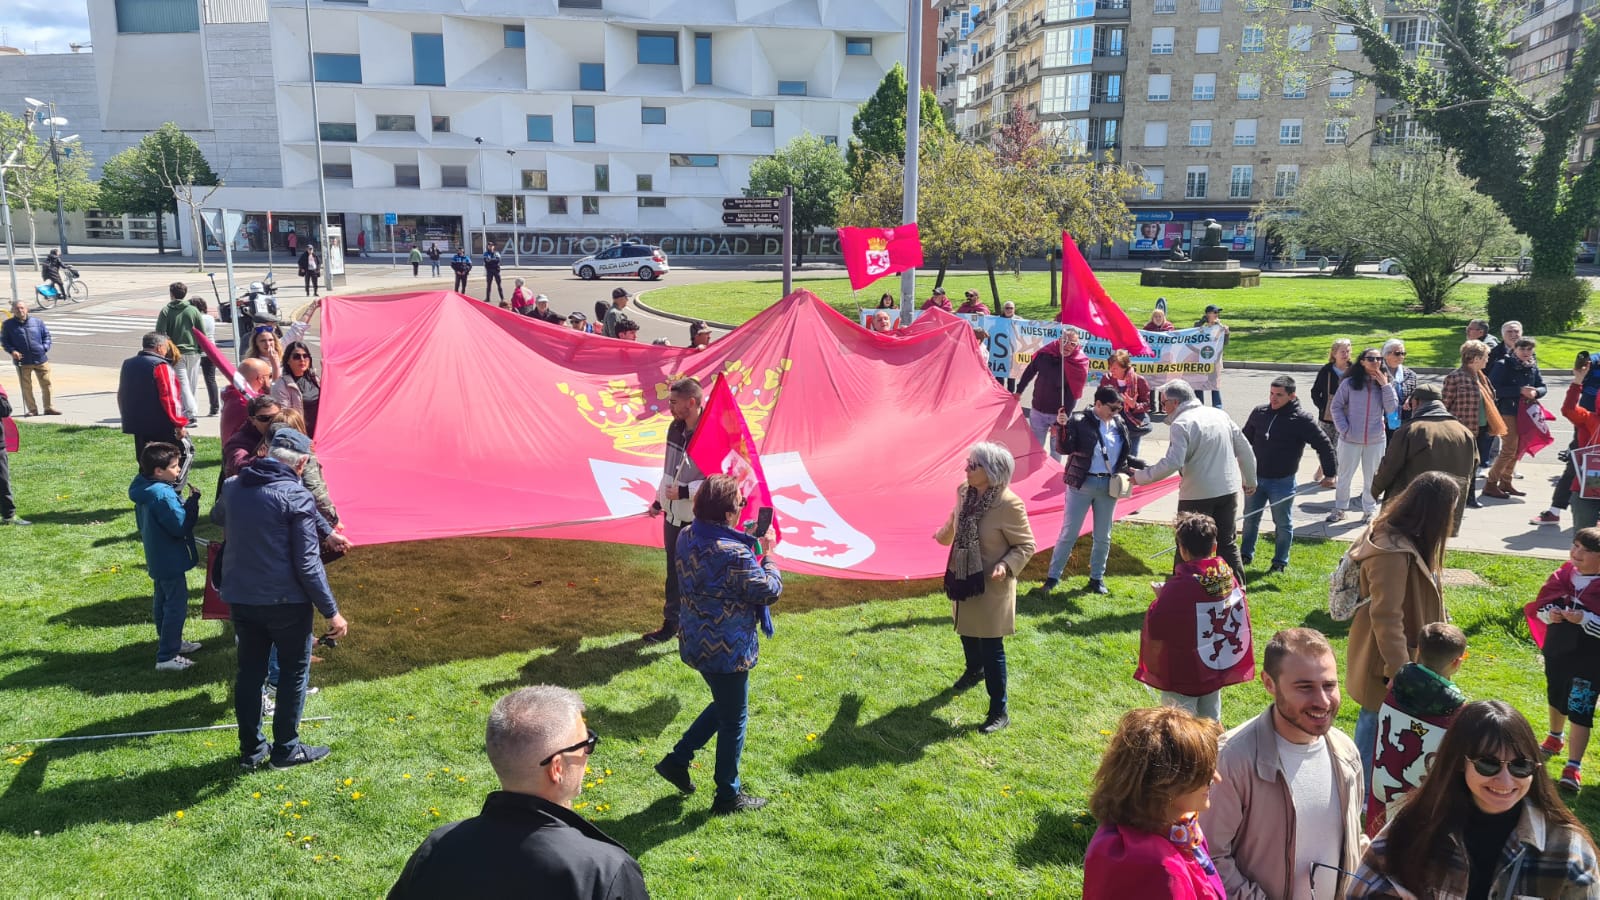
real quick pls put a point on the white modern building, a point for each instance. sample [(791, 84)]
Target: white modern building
[(561, 122)]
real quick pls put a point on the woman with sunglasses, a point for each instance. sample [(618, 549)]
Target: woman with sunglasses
[(726, 584), (299, 387), (1360, 409), (1486, 822), (1154, 780), (990, 542), (1096, 445)]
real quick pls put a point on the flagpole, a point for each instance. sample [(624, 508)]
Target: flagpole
[(1064, 327), (908, 203)]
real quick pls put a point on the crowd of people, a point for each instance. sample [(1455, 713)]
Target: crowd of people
[(1284, 805)]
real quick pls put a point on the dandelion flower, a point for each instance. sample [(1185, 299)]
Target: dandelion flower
[(349, 781), (178, 814), (355, 795), (305, 802), (256, 796), (445, 770), (406, 776), (812, 736)]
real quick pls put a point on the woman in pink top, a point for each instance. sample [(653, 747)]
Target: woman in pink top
[(1153, 782)]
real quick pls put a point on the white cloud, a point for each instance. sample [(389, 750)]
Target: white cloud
[(44, 26)]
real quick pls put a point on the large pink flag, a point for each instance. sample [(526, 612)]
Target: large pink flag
[(722, 444), (1085, 304)]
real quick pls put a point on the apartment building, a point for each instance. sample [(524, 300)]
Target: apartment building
[(1184, 89)]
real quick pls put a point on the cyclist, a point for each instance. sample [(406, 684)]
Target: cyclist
[(51, 270)]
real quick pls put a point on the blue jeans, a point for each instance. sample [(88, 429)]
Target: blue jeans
[(1216, 398), (287, 628), (1269, 490), (1039, 423), (1367, 741), (1095, 494), (989, 656), (724, 717), (169, 608)]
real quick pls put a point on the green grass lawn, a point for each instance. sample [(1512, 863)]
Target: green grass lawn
[(1287, 319), (880, 783)]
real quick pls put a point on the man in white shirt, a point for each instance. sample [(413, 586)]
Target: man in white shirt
[(1286, 816), (1215, 460)]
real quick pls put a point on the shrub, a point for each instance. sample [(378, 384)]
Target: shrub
[(1544, 306)]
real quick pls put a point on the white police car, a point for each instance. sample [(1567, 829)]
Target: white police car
[(643, 261)]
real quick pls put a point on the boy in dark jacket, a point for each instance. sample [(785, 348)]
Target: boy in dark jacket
[(167, 527), (1421, 704)]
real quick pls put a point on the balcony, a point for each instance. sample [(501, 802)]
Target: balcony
[(1111, 9), (1109, 61)]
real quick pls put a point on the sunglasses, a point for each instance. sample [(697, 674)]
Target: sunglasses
[(1489, 766), (1371, 359), (264, 329), (306, 356), (972, 466), (265, 419), (1114, 407), (587, 745), (1397, 353)]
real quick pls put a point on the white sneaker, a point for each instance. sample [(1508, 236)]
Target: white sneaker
[(175, 664), (188, 646), (1335, 516)]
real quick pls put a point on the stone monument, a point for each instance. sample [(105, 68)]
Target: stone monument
[(1209, 266)]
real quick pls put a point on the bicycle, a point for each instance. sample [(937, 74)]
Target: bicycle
[(46, 295)]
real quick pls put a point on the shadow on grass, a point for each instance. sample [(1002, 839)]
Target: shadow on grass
[(133, 610), (656, 824), (1117, 624), (906, 623), (35, 807), (78, 516), (127, 669), (1059, 839), (899, 736), (1321, 621), (570, 667), (641, 725), (115, 539)]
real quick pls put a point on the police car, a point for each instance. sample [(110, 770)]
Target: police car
[(643, 261)]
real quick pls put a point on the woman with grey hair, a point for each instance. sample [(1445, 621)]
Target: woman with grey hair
[(1402, 380), (990, 542)]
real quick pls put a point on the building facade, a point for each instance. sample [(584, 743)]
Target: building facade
[(1185, 90), (558, 124)]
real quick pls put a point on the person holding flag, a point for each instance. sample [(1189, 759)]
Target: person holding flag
[(680, 478), (1061, 370)]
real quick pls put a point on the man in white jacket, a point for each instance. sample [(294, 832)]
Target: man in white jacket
[(1214, 459)]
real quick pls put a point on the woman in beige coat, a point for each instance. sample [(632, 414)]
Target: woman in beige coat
[(990, 542), (1400, 557)]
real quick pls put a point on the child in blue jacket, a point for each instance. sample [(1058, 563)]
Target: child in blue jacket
[(167, 527)]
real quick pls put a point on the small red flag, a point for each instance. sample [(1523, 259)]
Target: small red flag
[(1086, 305), (871, 253), (721, 444)]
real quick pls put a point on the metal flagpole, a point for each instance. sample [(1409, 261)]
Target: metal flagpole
[(322, 186), (908, 207)]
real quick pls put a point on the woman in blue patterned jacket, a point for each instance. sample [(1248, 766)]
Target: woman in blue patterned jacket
[(726, 585)]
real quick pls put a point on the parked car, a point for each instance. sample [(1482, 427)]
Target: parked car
[(644, 261), (1390, 266), (1585, 252)]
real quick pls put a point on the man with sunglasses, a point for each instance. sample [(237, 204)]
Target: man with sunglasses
[(1286, 816), (241, 446), (527, 841)]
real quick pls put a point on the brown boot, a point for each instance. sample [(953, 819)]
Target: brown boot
[(1493, 490), (1509, 488)]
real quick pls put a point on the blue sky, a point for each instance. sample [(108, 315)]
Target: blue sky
[(51, 24)]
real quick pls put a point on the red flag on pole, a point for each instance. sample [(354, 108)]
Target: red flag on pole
[(1086, 305), (871, 253), (220, 360), (721, 443)]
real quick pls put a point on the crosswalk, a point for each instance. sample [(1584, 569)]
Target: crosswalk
[(91, 324), (85, 324)]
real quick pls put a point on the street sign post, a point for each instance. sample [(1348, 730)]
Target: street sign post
[(766, 211), (752, 218)]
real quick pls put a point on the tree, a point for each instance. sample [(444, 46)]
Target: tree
[(32, 179), (1512, 140), (1413, 206), (165, 169), (817, 174), (879, 126), (969, 201)]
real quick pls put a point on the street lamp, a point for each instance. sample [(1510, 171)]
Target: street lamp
[(516, 224), (483, 197), (5, 202), (34, 106), (322, 187)]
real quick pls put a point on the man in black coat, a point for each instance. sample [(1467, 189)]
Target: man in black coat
[(527, 842), (1279, 431)]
